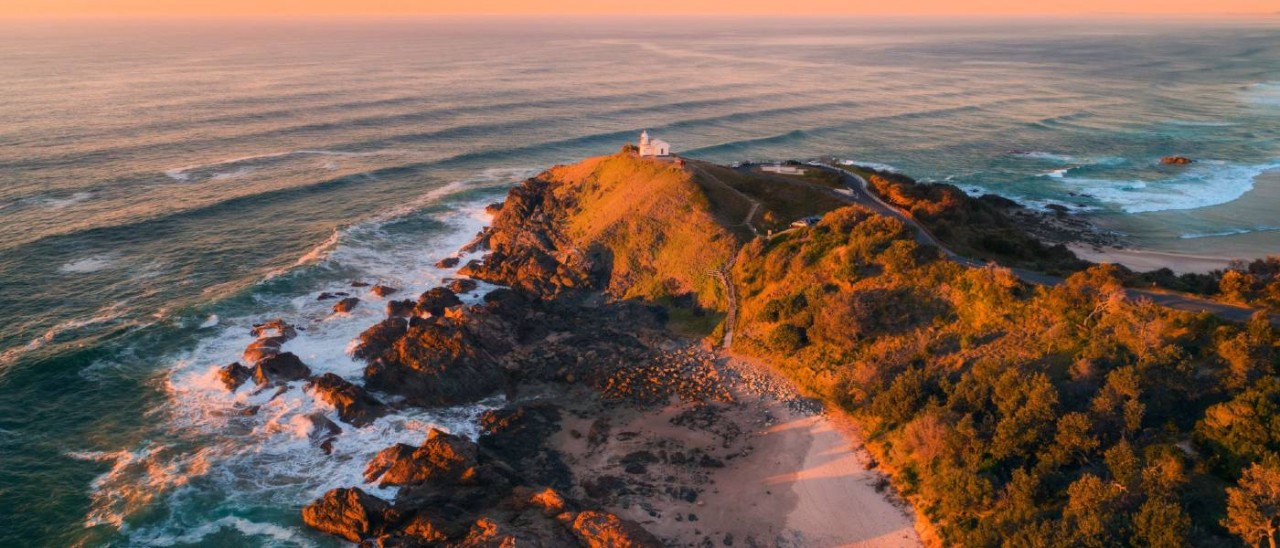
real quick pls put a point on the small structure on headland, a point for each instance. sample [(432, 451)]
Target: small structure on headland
[(653, 147), (783, 169)]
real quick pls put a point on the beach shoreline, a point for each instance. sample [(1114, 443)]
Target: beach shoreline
[(1147, 260)]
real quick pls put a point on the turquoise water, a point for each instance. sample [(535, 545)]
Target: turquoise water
[(164, 185)]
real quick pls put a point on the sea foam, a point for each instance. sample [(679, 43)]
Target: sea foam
[(1203, 185), (270, 458)]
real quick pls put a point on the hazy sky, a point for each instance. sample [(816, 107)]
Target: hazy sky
[(652, 7)]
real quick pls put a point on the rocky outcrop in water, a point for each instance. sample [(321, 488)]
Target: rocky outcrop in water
[(436, 361), (460, 285), (346, 305), (271, 336), (354, 405), (436, 301), (454, 493), (527, 250), (1176, 160), (280, 368), (234, 375)]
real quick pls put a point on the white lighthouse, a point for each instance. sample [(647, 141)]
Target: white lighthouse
[(653, 147)]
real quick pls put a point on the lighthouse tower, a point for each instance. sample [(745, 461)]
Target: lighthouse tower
[(653, 147)]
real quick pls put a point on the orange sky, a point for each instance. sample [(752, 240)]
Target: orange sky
[(653, 7)]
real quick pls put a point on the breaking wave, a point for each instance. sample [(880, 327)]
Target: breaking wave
[(1206, 184), (252, 450)]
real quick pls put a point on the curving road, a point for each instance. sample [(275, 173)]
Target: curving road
[(1176, 301)]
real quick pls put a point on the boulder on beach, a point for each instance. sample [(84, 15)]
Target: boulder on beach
[(279, 368), (346, 305), (354, 405), (519, 434), (1176, 160), (604, 530)]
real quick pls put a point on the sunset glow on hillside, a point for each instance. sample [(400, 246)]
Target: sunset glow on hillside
[(605, 7)]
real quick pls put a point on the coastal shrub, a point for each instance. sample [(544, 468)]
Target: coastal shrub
[(1067, 415), (787, 338)]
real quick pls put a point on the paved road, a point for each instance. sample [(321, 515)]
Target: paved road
[(1176, 301)]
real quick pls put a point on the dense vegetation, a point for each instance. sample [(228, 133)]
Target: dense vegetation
[(973, 227), (1016, 415), (978, 228)]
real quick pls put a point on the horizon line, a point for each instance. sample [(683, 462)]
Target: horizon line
[(634, 15)]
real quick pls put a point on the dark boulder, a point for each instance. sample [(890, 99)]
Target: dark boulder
[(346, 305), (359, 284), (322, 429), (998, 201), (276, 327), (604, 530), (400, 309), (443, 459), (435, 301), (382, 290), (348, 513), (355, 406), (437, 362), (461, 285), (233, 375), (263, 348), (280, 368), (379, 338), (448, 262), (519, 435), (1176, 160)]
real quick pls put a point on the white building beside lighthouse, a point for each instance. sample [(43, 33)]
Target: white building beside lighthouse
[(653, 147)]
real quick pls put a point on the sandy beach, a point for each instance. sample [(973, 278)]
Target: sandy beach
[(1144, 260), (769, 469), (1196, 240)]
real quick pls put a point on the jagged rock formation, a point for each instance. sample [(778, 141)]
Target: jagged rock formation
[(455, 493)]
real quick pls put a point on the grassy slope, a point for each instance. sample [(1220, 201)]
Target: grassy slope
[(658, 224), (669, 227)]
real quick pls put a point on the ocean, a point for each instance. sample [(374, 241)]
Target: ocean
[(166, 184)]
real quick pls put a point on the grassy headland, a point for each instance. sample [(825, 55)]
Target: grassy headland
[(1008, 414)]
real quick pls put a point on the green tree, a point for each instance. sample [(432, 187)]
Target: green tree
[(1090, 518), (1160, 523), (1073, 441), (1253, 506)]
